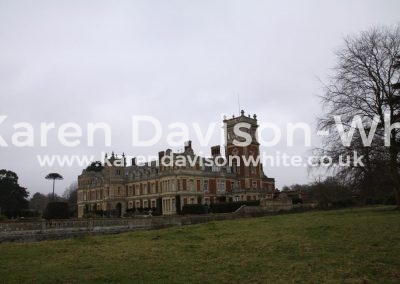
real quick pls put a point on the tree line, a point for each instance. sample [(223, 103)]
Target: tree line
[(15, 201)]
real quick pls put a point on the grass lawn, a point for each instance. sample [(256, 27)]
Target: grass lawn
[(352, 246)]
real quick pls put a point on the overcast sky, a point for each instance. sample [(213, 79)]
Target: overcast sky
[(179, 61)]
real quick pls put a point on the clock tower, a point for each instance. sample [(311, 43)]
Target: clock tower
[(243, 149)]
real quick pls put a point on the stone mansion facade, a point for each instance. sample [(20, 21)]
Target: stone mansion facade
[(168, 183)]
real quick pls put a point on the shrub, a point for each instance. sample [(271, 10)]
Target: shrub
[(142, 211), (90, 215), (195, 209), (297, 200), (231, 206), (391, 200), (29, 213), (57, 210), (224, 207), (348, 202)]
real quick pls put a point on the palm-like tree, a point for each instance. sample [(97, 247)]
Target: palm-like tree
[(54, 177)]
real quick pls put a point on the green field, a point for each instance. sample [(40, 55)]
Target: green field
[(352, 246)]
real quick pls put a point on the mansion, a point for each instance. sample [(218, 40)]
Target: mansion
[(166, 185)]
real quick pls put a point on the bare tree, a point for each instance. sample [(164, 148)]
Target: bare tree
[(363, 84), (71, 196)]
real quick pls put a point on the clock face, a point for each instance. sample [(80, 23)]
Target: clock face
[(235, 151)]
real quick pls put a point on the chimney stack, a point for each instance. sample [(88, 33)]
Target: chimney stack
[(188, 145)]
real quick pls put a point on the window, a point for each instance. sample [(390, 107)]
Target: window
[(205, 186), (221, 186), (215, 168), (254, 184), (235, 151), (252, 170), (144, 188), (191, 185)]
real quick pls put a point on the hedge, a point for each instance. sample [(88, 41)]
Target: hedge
[(224, 207), (57, 210), (194, 209), (231, 206)]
